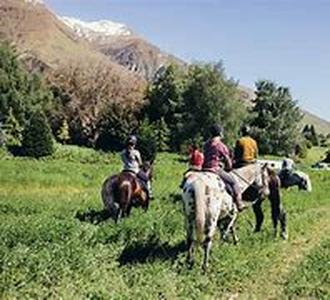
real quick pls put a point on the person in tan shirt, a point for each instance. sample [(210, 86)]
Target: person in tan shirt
[(246, 149)]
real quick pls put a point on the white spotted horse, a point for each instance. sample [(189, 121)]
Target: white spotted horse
[(207, 202)]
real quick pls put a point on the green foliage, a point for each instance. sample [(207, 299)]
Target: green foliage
[(165, 103), (275, 119), (12, 131), (163, 135), (20, 92), (311, 279), (310, 134), (45, 252), (147, 141), (63, 134), (116, 124), (37, 137), (211, 98)]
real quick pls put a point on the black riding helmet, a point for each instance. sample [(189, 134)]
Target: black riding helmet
[(245, 130), (216, 130), (131, 140)]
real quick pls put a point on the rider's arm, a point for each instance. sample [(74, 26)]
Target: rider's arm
[(228, 163), (138, 157)]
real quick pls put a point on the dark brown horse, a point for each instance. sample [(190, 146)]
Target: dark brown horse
[(125, 190)]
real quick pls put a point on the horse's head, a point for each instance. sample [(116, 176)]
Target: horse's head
[(304, 182), (147, 168)]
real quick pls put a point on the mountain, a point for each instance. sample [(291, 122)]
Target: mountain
[(43, 41), (320, 125), (122, 45)]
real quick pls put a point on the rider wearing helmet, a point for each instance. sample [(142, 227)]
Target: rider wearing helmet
[(132, 161), (130, 156), (217, 160), (246, 149)]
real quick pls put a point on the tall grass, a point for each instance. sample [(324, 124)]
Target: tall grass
[(45, 251)]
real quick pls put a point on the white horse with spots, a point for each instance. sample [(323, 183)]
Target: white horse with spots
[(206, 201)]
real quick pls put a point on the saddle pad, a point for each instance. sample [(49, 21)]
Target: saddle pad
[(246, 175)]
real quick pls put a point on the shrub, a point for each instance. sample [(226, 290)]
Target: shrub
[(37, 137)]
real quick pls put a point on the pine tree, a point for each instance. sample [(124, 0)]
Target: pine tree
[(37, 137), (276, 118)]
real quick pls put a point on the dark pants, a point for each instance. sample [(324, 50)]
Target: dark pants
[(230, 180)]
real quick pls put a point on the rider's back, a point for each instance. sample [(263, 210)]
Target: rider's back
[(214, 151), (131, 159), (246, 150)]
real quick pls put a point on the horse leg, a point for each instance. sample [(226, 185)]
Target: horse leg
[(190, 244), (210, 229), (275, 208), (118, 215), (257, 209), (282, 217)]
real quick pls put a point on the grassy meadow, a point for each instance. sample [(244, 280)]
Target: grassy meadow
[(47, 252)]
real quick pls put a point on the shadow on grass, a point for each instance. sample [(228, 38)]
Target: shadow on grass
[(150, 251), (93, 216)]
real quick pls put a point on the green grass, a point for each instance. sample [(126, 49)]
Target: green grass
[(45, 251)]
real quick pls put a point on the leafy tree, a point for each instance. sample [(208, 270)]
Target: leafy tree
[(275, 118), (211, 98), (37, 137), (147, 140), (164, 102), (63, 134), (116, 124), (12, 131), (86, 96), (163, 135)]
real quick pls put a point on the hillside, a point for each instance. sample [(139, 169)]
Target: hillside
[(321, 125), (122, 45), (43, 41)]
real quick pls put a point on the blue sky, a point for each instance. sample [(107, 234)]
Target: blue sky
[(286, 41)]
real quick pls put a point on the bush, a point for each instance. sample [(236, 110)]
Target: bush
[(147, 141), (37, 137)]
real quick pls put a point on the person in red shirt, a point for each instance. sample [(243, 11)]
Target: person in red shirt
[(196, 158), (217, 160)]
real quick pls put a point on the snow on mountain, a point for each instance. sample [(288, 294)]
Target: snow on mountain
[(34, 2), (96, 30)]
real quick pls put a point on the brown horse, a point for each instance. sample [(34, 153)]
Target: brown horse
[(123, 191)]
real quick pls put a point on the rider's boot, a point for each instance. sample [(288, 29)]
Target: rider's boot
[(239, 203)]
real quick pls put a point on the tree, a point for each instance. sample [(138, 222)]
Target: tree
[(211, 98), (12, 131), (20, 93), (37, 137), (63, 134), (86, 96), (163, 135), (147, 141), (275, 118), (164, 102), (116, 123)]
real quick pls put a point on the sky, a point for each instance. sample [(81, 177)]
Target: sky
[(287, 41)]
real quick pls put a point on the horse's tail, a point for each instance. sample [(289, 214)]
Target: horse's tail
[(108, 195), (199, 188), (125, 194)]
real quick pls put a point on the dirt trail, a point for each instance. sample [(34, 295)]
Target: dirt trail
[(270, 284)]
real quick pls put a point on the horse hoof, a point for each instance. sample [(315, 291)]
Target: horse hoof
[(284, 236)]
